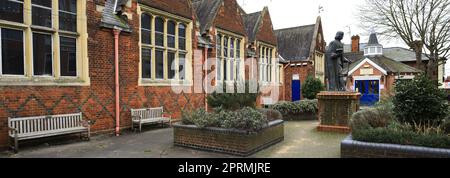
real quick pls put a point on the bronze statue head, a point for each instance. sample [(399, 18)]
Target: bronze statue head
[(339, 35)]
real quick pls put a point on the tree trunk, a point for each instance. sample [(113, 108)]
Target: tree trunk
[(432, 69), (417, 47)]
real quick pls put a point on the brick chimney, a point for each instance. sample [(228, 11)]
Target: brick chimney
[(355, 43)]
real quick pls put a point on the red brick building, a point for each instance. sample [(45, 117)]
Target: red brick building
[(373, 72), (303, 48), (67, 63), (262, 54)]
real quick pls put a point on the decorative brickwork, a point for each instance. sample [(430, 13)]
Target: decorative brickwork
[(96, 101), (356, 149), (228, 141)]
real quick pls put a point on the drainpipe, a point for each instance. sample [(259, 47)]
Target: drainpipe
[(116, 61)]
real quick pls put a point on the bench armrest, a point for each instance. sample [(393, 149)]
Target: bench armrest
[(136, 117), (167, 116)]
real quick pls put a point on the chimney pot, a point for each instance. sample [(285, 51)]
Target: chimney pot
[(355, 43)]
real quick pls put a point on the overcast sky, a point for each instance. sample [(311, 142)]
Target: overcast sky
[(337, 15)]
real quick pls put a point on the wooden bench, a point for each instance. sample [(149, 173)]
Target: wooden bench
[(149, 116), (26, 128)]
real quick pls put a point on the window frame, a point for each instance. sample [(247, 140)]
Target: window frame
[(182, 37), (166, 18), (1, 55), (28, 28), (47, 8), (148, 30), (32, 55), (67, 12), (76, 57), (159, 33), (232, 66), (266, 63), (174, 35), (23, 12)]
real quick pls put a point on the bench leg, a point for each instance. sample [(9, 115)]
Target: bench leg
[(132, 125), (16, 143), (89, 134)]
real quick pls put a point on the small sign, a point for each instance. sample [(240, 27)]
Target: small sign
[(381, 87), (296, 77), (366, 71)]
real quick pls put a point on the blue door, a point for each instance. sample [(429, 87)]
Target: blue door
[(296, 90), (370, 91)]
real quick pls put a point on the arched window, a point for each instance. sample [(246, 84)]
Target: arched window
[(171, 34), (159, 31), (182, 37), (146, 29)]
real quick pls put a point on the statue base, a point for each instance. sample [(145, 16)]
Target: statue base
[(335, 110)]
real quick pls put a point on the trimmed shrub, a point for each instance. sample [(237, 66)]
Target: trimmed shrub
[(400, 136), (379, 125), (420, 101), (200, 118), (296, 110), (271, 114), (379, 116), (247, 119), (233, 100), (312, 87)]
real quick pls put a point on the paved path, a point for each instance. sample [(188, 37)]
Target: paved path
[(301, 141)]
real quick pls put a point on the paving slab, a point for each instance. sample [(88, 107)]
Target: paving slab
[(301, 141)]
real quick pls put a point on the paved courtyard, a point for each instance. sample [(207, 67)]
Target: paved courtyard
[(301, 141)]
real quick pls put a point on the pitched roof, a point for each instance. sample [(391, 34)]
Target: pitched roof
[(178, 7), (388, 64), (354, 56), (110, 19), (206, 11), (294, 44), (373, 40), (251, 22), (396, 53), (402, 54)]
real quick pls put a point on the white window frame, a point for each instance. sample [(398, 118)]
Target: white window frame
[(170, 35), (67, 12), (180, 37), (43, 7)]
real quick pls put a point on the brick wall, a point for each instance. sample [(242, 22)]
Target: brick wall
[(228, 141), (229, 18), (265, 33), (289, 72), (356, 149), (96, 101)]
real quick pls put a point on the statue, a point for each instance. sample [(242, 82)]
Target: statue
[(335, 64)]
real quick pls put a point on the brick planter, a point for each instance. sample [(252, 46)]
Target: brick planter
[(301, 117), (235, 142), (355, 149)]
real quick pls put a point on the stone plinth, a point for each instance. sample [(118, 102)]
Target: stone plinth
[(336, 109)]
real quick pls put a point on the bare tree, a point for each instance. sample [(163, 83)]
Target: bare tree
[(424, 25)]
